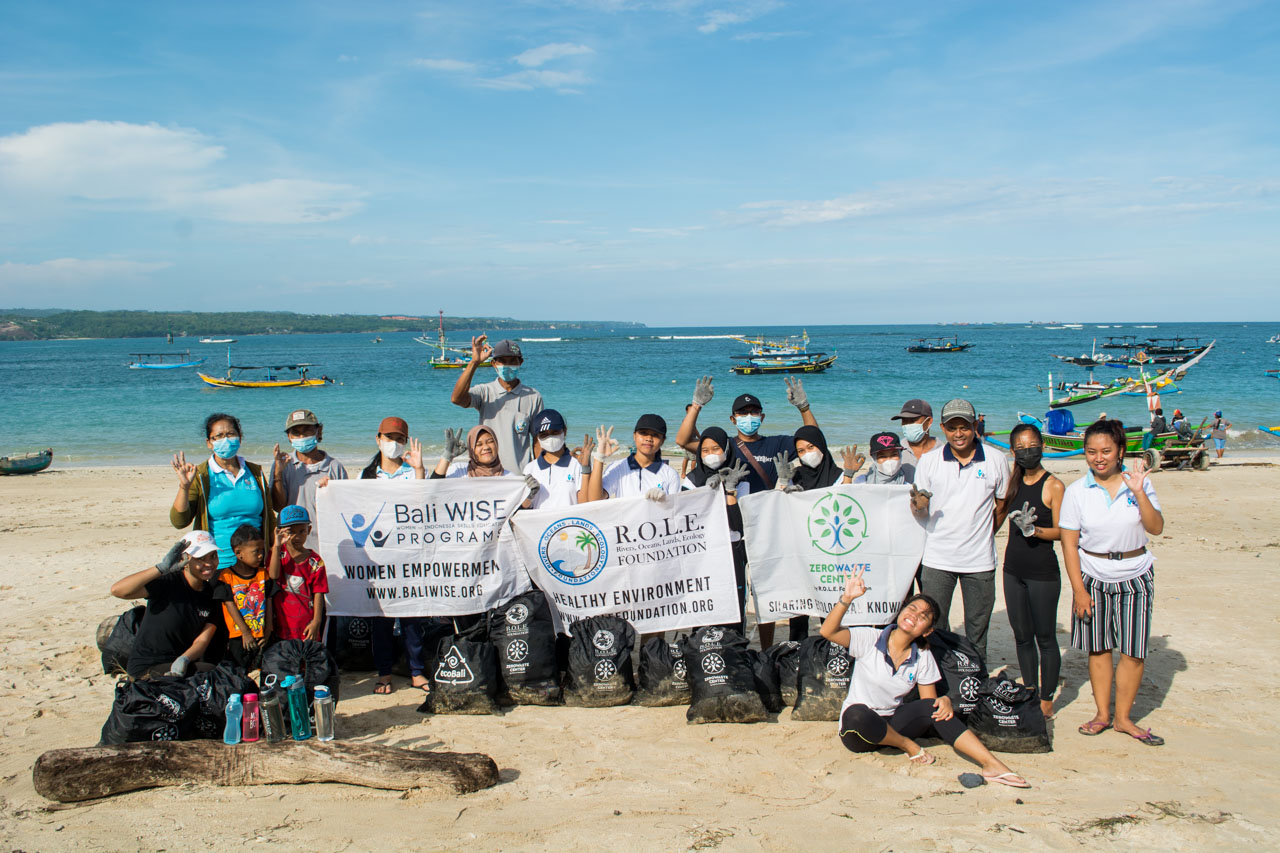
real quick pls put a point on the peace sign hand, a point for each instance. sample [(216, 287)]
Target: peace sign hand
[(584, 453), (854, 587), (185, 470)]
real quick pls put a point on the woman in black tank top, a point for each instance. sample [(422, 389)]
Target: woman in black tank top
[(1032, 580)]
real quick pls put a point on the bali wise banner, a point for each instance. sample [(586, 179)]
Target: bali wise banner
[(802, 546), (661, 565), (419, 547)]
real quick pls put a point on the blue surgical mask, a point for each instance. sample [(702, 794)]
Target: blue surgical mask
[(306, 444), (913, 433), (748, 424), (225, 448), (507, 372)]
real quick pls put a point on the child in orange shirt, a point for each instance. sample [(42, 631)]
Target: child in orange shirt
[(246, 597)]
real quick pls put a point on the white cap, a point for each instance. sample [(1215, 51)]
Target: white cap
[(199, 543)]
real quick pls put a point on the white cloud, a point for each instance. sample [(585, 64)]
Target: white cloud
[(369, 240), (19, 278), (717, 19), (343, 57), (457, 65), (122, 166), (681, 231), (768, 36), (541, 55), (565, 82)]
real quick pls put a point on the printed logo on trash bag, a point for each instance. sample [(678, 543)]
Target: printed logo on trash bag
[(837, 525), (517, 614), (998, 706), (172, 710), (517, 650), (603, 640), (838, 665), (204, 691), (605, 670), (357, 629), (1007, 690), (713, 664), (680, 670), (454, 669), (166, 732), (573, 550), (969, 688), (713, 635), (963, 662)]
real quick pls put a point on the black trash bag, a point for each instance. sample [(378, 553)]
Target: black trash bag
[(663, 677), (786, 660), (524, 637), (465, 678), (350, 642), (962, 668), (599, 673), (825, 669), (213, 689), (721, 678), (1008, 718), (115, 638), (768, 684), (308, 658), (162, 708)]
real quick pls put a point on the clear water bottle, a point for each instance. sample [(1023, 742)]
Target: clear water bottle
[(231, 734), (299, 717), (249, 727), (324, 713), (273, 716)]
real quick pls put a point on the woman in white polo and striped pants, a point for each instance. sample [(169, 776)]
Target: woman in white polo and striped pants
[(1105, 519)]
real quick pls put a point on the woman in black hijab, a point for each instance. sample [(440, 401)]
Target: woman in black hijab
[(710, 468), (817, 468)]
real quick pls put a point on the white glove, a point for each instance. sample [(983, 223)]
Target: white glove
[(179, 666), (657, 494), (1025, 520)]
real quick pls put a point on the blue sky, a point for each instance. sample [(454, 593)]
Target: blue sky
[(681, 162)]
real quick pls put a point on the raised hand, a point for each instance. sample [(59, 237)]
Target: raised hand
[(733, 475), (785, 467), (583, 453), (854, 586), (414, 454), (1135, 475), (1025, 520), (281, 539), (851, 460), (480, 350), (279, 458), (703, 391), (185, 470), (531, 483), (455, 443), (174, 559), (920, 498), (795, 394), (606, 445)]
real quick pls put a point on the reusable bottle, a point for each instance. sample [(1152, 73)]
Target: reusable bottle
[(252, 713), (231, 734), (299, 717), (324, 713), (273, 716)]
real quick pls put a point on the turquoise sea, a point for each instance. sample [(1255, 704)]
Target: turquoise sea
[(79, 398)]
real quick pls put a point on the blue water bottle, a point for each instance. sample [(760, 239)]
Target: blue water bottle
[(231, 734), (299, 714)]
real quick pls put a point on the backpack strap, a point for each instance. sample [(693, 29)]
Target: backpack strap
[(751, 460)]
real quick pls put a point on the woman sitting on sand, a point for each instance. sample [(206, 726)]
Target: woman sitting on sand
[(890, 662), (1106, 517)]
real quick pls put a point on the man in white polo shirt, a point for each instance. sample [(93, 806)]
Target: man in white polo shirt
[(955, 493), (506, 405)]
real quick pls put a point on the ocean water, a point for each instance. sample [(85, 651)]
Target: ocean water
[(79, 398)]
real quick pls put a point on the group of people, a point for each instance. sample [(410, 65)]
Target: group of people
[(250, 565)]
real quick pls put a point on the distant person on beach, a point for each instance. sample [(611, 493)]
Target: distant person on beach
[(560, 475), (1032, 579), (223, 492), (1218, 432), (505, 405), (1158, 423), (1106, 519), (916, 417), (886, 463), (644, 473), (954, 495), (294, 479)]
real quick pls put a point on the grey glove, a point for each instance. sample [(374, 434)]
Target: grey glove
[(172, 562), (713, 481), (796, 395), (531, 483), (455, 444), (792, 489), (785, 466), (733, 475), (657, 493), (1025, 520), (179, 666), (703, 392)]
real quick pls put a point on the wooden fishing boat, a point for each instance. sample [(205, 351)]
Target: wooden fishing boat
[(272, 379), (1064, 437), (444, 361), (792, 345), (26, 463), (162, 360), (1273, 431), (951, 344), (809, 362)]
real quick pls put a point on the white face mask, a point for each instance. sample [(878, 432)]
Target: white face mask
[(888, 467), (391, 449), (713, 460), (914, 433), (551, 443), (812, 459)]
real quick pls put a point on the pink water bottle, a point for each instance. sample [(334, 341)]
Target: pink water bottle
[(251, 718)]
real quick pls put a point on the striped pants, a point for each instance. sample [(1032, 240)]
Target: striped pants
[(1121, 616)]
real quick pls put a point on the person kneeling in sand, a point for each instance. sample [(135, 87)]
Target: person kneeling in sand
[(890, 662)]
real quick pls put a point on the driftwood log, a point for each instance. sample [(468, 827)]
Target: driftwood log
[(73, 775)]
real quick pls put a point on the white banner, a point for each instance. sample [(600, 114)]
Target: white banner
[(419, 547), (661, 565), (802, 546)]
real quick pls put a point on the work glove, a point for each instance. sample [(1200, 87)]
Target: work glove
[(733, 475), (172, 562), (1025, 520), (657, 494), (455, 444), (785, 467), (531, 483), (179, 666), (796, 395), (703, 391)]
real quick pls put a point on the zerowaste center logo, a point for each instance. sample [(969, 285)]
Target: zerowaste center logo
[(837, 525), (573, 550)]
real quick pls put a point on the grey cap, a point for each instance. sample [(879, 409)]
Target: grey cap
[(958, 408), (507, 349), (913, 409)]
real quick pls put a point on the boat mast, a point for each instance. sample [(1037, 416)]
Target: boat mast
[(442, 356)]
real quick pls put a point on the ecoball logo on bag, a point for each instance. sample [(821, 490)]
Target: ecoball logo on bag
[(837, 525), (454, 669), (573, 550)]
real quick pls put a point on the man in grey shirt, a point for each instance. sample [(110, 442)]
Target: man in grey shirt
[(294, 479), (505, 405)]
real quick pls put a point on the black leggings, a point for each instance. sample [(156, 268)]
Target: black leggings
[(1033, 614), (862, 729)]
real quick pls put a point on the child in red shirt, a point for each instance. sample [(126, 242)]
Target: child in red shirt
[(246, 597), (300, 577)]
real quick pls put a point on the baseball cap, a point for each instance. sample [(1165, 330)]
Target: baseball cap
[(390, 425), (958, 408), (301, 417), (747, 401), (914, 409), (652, 422), (548, 420), (883, 441), (294, 514), (199, 543), (507, 349)]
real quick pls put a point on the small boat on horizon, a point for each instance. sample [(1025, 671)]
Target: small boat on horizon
[(217, 340), (951, 344), (162, 360)]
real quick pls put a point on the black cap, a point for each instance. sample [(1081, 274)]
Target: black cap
[(654, 423), (914, 409), (507, 349), (747, 401), (883, 441), (548, 420)]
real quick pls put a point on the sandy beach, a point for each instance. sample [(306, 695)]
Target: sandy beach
[(635, 778)]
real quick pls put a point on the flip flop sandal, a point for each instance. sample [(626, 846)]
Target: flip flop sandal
[(1013, 780), (1147, 738), (921, 758), (1092, 729), (383, 688)]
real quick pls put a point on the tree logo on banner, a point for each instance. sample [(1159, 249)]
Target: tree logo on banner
[(454, 669), (837, 525), (573, 550)]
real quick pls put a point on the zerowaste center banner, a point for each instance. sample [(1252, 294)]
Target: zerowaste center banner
[(802, 546), (419, 547)]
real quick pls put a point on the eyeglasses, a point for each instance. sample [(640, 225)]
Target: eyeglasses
[(218, 436)]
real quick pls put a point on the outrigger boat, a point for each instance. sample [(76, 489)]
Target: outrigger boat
[(807, 362), (1063, 437), (1273, 431), (270, 380), (444, 361), (790, 345), (951, 344), (26, 463), (162, 360)]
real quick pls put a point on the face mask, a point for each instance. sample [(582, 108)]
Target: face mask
[(812, 459), (1028, 458), (507, 372), (914, 433), (225, 448), (888, 467), (551, 443), (748, 424), (306, 444), (391, 449), (713, 460)]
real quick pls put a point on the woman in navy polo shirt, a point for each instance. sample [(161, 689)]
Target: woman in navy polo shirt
[(1106, 517), (890, 663)]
